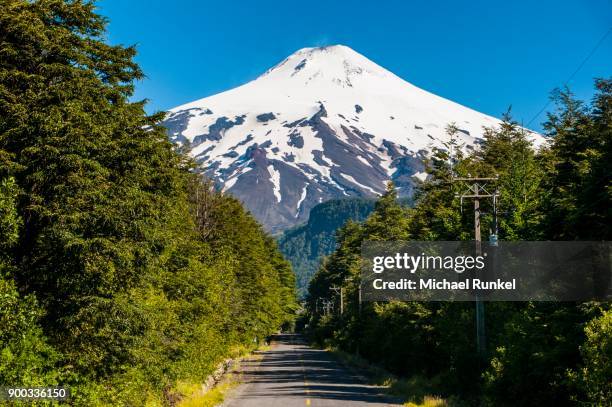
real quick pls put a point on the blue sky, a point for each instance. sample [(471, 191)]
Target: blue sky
[(484, 54)]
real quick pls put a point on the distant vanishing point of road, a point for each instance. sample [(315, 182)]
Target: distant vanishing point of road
[(293, 375)]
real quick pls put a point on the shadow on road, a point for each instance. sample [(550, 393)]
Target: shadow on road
[(292, 370)]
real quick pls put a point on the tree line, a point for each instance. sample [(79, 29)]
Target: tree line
[(538, 353), (122, 272)]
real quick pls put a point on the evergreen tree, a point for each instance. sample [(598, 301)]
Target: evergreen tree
[(27, 359), (124, 273), (507, 153), (538, 353), (579, 169)]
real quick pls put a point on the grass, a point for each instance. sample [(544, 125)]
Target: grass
[(428, 401), (195, 396), (211, 398), (414, 392)]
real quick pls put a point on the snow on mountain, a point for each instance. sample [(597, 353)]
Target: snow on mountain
[(324, 123)]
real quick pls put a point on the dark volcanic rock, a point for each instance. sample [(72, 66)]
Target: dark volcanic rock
[(266, 144), (344, 157), (300, 66), (231, 154), (248, 138), (177, 124), (405, 167), (295, 123), (217, 129), (255, 188), (295, 139), (265, 117)]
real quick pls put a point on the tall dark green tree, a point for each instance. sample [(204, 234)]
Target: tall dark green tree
[(128, 280), (27, 359), (102, 186), (579, 166), (538, 353)]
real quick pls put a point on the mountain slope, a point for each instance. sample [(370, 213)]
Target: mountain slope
[(325, 123), (305, 245)]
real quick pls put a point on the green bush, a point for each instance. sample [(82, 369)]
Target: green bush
[(596, 374), (27, 358)]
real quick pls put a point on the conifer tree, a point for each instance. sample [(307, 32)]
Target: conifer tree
[(538, 353), (130, 272)]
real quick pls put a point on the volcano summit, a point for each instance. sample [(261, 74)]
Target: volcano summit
[(324, 123)]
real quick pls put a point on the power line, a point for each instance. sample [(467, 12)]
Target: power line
[(477, 190), (584, 61)]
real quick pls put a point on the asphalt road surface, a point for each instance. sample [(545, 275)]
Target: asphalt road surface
[(293, 375)]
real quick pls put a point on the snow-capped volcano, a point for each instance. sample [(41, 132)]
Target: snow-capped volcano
[(324, 123)]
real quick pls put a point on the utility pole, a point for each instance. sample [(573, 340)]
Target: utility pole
[(476, 189), (329, 307), (341, 291), (359, 298)]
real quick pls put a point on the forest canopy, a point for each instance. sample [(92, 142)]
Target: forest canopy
[(122, 272), (537, 353)]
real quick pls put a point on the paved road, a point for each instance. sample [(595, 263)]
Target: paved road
[(293, 375)]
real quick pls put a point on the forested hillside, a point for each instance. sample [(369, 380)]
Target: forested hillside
[(304, 246), (122, 274), (538, 353)]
